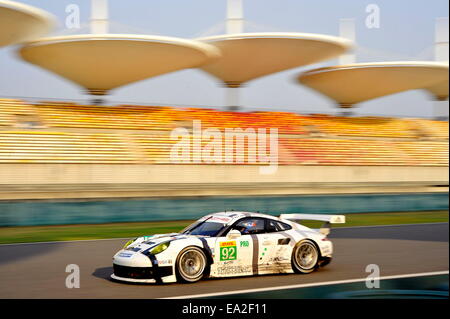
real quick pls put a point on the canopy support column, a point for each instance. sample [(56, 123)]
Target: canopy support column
[(346, 109), (99, 16), (232, 96), (441, 40), (440, 110), (97, 101), (235, 16), (97, 96), (347, 30)]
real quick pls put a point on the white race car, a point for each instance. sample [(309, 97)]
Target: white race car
[(227, 244)]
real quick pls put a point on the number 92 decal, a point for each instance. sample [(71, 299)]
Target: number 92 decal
[(228, 250)]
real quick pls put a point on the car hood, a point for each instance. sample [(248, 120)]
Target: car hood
[(145, 242)]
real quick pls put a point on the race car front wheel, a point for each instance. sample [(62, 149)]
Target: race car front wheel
[(191, 264), (305, 257)]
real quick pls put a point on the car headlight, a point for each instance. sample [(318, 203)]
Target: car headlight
[(160, 248), (129, 243)]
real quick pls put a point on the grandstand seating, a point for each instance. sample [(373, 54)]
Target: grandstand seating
[(50, 132), (436, 129), (367, 152), (61, 147), (11, 112)]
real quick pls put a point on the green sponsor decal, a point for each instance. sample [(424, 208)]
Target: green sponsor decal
[(244, 243)]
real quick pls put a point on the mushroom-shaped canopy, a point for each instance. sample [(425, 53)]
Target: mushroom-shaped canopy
[(101, 62), (439, 90), (355, 83), (247, 56), (20, 22)]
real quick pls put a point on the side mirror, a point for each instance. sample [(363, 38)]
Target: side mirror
[(234, 233)]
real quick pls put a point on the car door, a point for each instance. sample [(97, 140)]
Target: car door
[(251, 228), (233, 256), (275, 250)]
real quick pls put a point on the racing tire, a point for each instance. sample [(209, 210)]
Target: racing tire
[(305, 257), (191, 265)]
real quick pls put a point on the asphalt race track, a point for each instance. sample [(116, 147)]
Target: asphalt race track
[(38, 270)]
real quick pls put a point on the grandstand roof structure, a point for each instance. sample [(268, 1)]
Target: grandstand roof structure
[(439, 91), (247, 56), (20, 22), (102, 62), (354, 83)]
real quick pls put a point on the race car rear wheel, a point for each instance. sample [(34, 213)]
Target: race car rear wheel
[(191, 264), (305, 257)]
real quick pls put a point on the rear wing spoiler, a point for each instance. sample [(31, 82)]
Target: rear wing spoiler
[(328, 219)]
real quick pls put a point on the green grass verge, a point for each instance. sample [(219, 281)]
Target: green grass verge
[(25, 234)]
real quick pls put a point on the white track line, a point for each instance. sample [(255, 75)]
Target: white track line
[(124, 238), (316, 284)]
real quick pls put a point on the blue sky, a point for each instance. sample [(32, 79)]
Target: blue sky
[(406, 32)]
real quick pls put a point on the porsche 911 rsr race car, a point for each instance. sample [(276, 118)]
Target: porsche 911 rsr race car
[(227, 244)]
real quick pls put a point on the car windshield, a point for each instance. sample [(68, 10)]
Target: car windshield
[(204, 228)]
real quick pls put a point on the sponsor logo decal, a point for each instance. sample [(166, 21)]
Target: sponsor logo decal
[(244, 243), (126, 255), (231, 270), (220, 219), (228, 243), (228, 250)]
